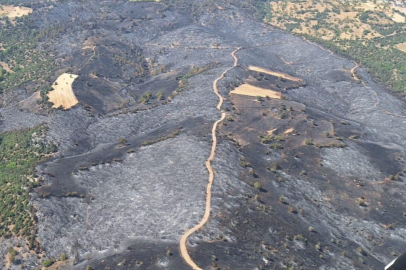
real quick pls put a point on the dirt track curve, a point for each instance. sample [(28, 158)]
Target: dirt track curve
[(206, 216), (378, 101)]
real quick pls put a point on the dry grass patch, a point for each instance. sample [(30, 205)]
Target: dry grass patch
[(288, 131), (89, 44), (5, 66), (63, 94), (396, 17), (253, 91), (345, 16), (368, 6), (401, 46), (401, 9), (379, 19), (270, 132), (58, 265), (325, 33), (14, 12), (358, 32), (274, 73)]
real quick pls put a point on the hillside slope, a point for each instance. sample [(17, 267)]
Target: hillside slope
[(308, 171)]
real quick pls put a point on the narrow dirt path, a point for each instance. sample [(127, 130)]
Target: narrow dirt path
[(206, 216), (354, 75), (378, 101), (353, 71), (90, 58)]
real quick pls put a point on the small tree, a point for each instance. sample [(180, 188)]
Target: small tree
[(48, 263), (309, 142), (258, 185), (146, 97), (252, 172), (122, 140), (63, 257), (361, 251), (11, 254), (160, 95)]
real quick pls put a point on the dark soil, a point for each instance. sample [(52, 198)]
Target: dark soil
[(327, 195)]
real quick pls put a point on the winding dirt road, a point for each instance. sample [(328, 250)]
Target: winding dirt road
[(183, 240), (206, 216)]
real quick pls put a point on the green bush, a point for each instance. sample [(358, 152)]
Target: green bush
[(63, 257), (11, 253), (160, 95), (258, 185), (48, 263)]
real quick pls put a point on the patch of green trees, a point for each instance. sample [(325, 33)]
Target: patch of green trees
[(21, 53), (20, 152)]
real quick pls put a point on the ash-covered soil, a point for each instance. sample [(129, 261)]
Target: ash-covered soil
[(148, 194), (302, 183)]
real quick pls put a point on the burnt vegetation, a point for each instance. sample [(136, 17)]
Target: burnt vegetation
[(298, 177)]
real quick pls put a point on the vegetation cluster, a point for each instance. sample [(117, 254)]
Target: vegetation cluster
[(20, 152), (368, 32)]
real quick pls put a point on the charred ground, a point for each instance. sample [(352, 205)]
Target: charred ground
[(310, 181)]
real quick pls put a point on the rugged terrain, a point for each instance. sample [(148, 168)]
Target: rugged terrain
[(311, 178)]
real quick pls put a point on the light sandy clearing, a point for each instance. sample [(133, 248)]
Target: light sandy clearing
[(401, 46), (63, 94), (401, 9), (396, 17), (253, 91), (5, 66), (270, 132), (290, 130), (368, 6), (274, 73), (89, 43), (14, 12), (347, 15)]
